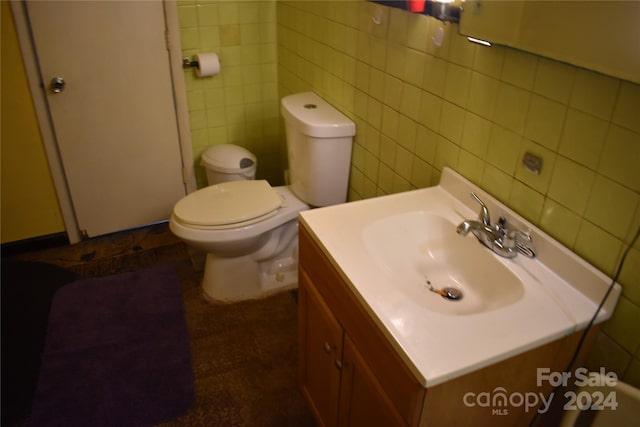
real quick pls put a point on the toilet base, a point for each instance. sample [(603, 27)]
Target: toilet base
[(215, 301), (232, 279)]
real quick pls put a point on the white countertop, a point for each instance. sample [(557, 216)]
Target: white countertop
[(561, 291)]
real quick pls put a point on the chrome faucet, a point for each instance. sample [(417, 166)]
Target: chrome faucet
[(497, 237)]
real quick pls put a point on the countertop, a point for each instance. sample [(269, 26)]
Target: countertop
[(562, 291)]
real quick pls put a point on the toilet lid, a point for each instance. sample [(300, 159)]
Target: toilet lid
[(227, 203)]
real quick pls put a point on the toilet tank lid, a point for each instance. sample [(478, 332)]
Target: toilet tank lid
[(227, 203), (313, 116)]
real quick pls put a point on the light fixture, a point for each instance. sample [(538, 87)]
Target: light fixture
[(443, 10)]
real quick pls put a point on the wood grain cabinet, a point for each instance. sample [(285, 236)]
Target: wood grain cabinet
[(349, 373), (321, 345)]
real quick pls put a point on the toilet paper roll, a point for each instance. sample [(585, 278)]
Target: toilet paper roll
[(208, 64)]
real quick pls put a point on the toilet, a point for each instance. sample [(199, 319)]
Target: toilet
[(249, 229)]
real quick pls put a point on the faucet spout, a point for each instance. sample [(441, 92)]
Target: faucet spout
[(472, 226), (488, 236), (497, 238)]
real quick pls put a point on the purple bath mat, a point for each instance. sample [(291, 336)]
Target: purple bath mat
[(116, 353)]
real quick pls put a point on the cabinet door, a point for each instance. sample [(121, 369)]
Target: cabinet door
[(363, 401), (320, 353)]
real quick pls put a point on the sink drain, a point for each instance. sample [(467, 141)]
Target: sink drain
[(450, 293)]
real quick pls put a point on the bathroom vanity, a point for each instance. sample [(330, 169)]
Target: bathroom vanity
[(376, 349)]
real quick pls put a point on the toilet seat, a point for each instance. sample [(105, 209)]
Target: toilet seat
[(228, 205)]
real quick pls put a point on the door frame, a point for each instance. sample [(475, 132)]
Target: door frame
[(39, 97)]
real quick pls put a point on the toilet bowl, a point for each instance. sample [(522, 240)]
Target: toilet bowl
[(249, 259), (249, 229)]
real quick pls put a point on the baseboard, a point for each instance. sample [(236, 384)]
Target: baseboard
[(34, 244)]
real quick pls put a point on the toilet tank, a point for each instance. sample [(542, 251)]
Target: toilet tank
[(319, 142)]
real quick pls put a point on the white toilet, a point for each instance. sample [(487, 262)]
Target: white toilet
[(250, 229)]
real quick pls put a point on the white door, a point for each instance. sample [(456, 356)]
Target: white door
[(114, 119)]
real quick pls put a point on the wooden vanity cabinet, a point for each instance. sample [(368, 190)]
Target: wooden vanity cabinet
[(321, 345), (349, 372), (351, 375)]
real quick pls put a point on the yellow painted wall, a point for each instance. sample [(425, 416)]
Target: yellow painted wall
[(28, 198)]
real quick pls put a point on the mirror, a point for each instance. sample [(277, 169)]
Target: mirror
[(600, 35)]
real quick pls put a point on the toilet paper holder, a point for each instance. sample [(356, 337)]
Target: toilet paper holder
[(188, 63), (205, 64)]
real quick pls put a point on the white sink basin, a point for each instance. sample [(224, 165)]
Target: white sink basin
[(419, 250), (384, 247)]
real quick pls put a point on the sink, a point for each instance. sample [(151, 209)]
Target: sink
[(420, 250), (386, 248)]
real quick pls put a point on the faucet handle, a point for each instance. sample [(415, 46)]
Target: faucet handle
[(484, 213), (523, 241), (526, 235)]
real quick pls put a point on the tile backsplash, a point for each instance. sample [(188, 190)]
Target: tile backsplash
[(419, 107)]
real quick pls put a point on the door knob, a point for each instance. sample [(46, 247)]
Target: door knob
[(57, 84)]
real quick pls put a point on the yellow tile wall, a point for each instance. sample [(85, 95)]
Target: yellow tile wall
[(419, 107), (240, 105)]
